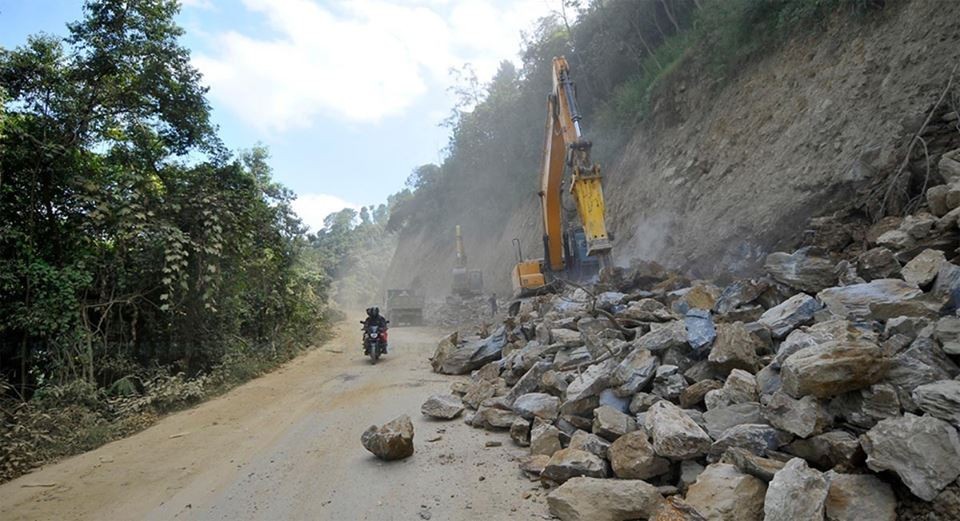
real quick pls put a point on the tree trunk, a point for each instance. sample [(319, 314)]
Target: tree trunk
[(673, 20)]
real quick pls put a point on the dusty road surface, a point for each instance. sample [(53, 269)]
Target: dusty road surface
[(287, 446)]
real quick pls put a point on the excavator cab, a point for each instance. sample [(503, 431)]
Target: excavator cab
[(527, 276)]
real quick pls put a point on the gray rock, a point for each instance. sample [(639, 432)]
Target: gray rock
[(754, 437), (855, 301), (673, 334), (520, 432), (482, 390), (643, 401), (833, 368), (590, 499), (611, 398), (442, 406), (864, 408), (544, 438), (949, 166), (632, 457), (749, 463), (940, 399), (593, 380), (689, 471), (493, 418), (589, 442), (796, 492), (740, 387), (947, 284), (609, 423), (674, 434), (552, 382), (937, 200), (722, 418), (540, 405), (856, 497), (906, 326), (924, 362), (533, 465), (803, 417), (690, 396), (724, 493), (923, 451), (923, 268), (896, 240), (828, 450), (877, 263), (734, 348), (566, 338), (918, 225), (570, 463), (768, 379), (529, 381), (471, 355), (947, 332), (740, 293), (669, 383), (700, 329), (796, 311), (636, 371), (803, 270), (391, 441), (648, 310)]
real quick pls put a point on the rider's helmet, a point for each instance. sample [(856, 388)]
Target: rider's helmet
[(370, 312), (376, 311)]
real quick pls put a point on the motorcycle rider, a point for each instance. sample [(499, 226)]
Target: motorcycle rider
[(374, 318)]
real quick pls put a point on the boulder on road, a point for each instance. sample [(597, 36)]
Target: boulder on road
[(391, 441), (924, 452), (796, 492), (539, 405), (442, 406), (591, 499)]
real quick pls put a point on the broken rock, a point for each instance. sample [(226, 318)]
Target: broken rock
[(723, 493), (796, 311), (391, 441), (940, 399), (590, 499), (610, 423), (796, 492), (571, 463), (802, 270), (734, 348), (923, 451), (854, 302), (856, 497), (539, 405), (924, 267), (632, 457), (803, 417), (833, 368), (442, 406), (675, 435)]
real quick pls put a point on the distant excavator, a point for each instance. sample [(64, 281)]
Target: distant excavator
[(466, 282), (571, 251)]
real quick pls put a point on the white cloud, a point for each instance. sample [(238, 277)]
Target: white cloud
[(358, 61), (313, 208)]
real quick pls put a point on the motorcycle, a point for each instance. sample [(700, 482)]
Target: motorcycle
[(374, 341)]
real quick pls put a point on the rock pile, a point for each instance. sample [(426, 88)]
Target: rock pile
[(826, 389), (455, 312)]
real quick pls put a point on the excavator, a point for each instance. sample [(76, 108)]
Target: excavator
[(466, 283), (574, 252)]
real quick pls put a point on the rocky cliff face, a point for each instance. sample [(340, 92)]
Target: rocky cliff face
[(721, 175)]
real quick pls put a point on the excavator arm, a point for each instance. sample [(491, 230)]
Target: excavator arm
[(564, 145)]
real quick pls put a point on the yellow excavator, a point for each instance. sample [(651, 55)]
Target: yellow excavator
[(577, 251)]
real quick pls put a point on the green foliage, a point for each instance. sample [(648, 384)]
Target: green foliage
[(142, 266)]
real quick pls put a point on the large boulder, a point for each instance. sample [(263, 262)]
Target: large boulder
[(610, 423), (570, 463), (923, 451), (740, 293), (878, 263), (796, 492), (675, 435), (589, 442), (828, 450), (734, 348), (753, 437), (539, 405), (856, 300), (493, 418), (833, 368), (529, 382), (924, 362), (591, 499), (856, 497), (803, 417), (591, 381), (940, 399), (923, 268), (667, 336), (723, 493), (442, 406), (391, 441), (720, 419), (632, 457), (803, 270), (471, 355), (544, 438), (796, 311)]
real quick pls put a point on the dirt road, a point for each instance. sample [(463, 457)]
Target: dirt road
[(287, 446)]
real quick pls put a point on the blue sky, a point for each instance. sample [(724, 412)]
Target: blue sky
[(347, 94)]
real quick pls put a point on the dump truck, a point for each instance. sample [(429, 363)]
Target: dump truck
[(404, 307)]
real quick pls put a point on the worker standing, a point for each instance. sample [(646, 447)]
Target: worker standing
[(493, 304)]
